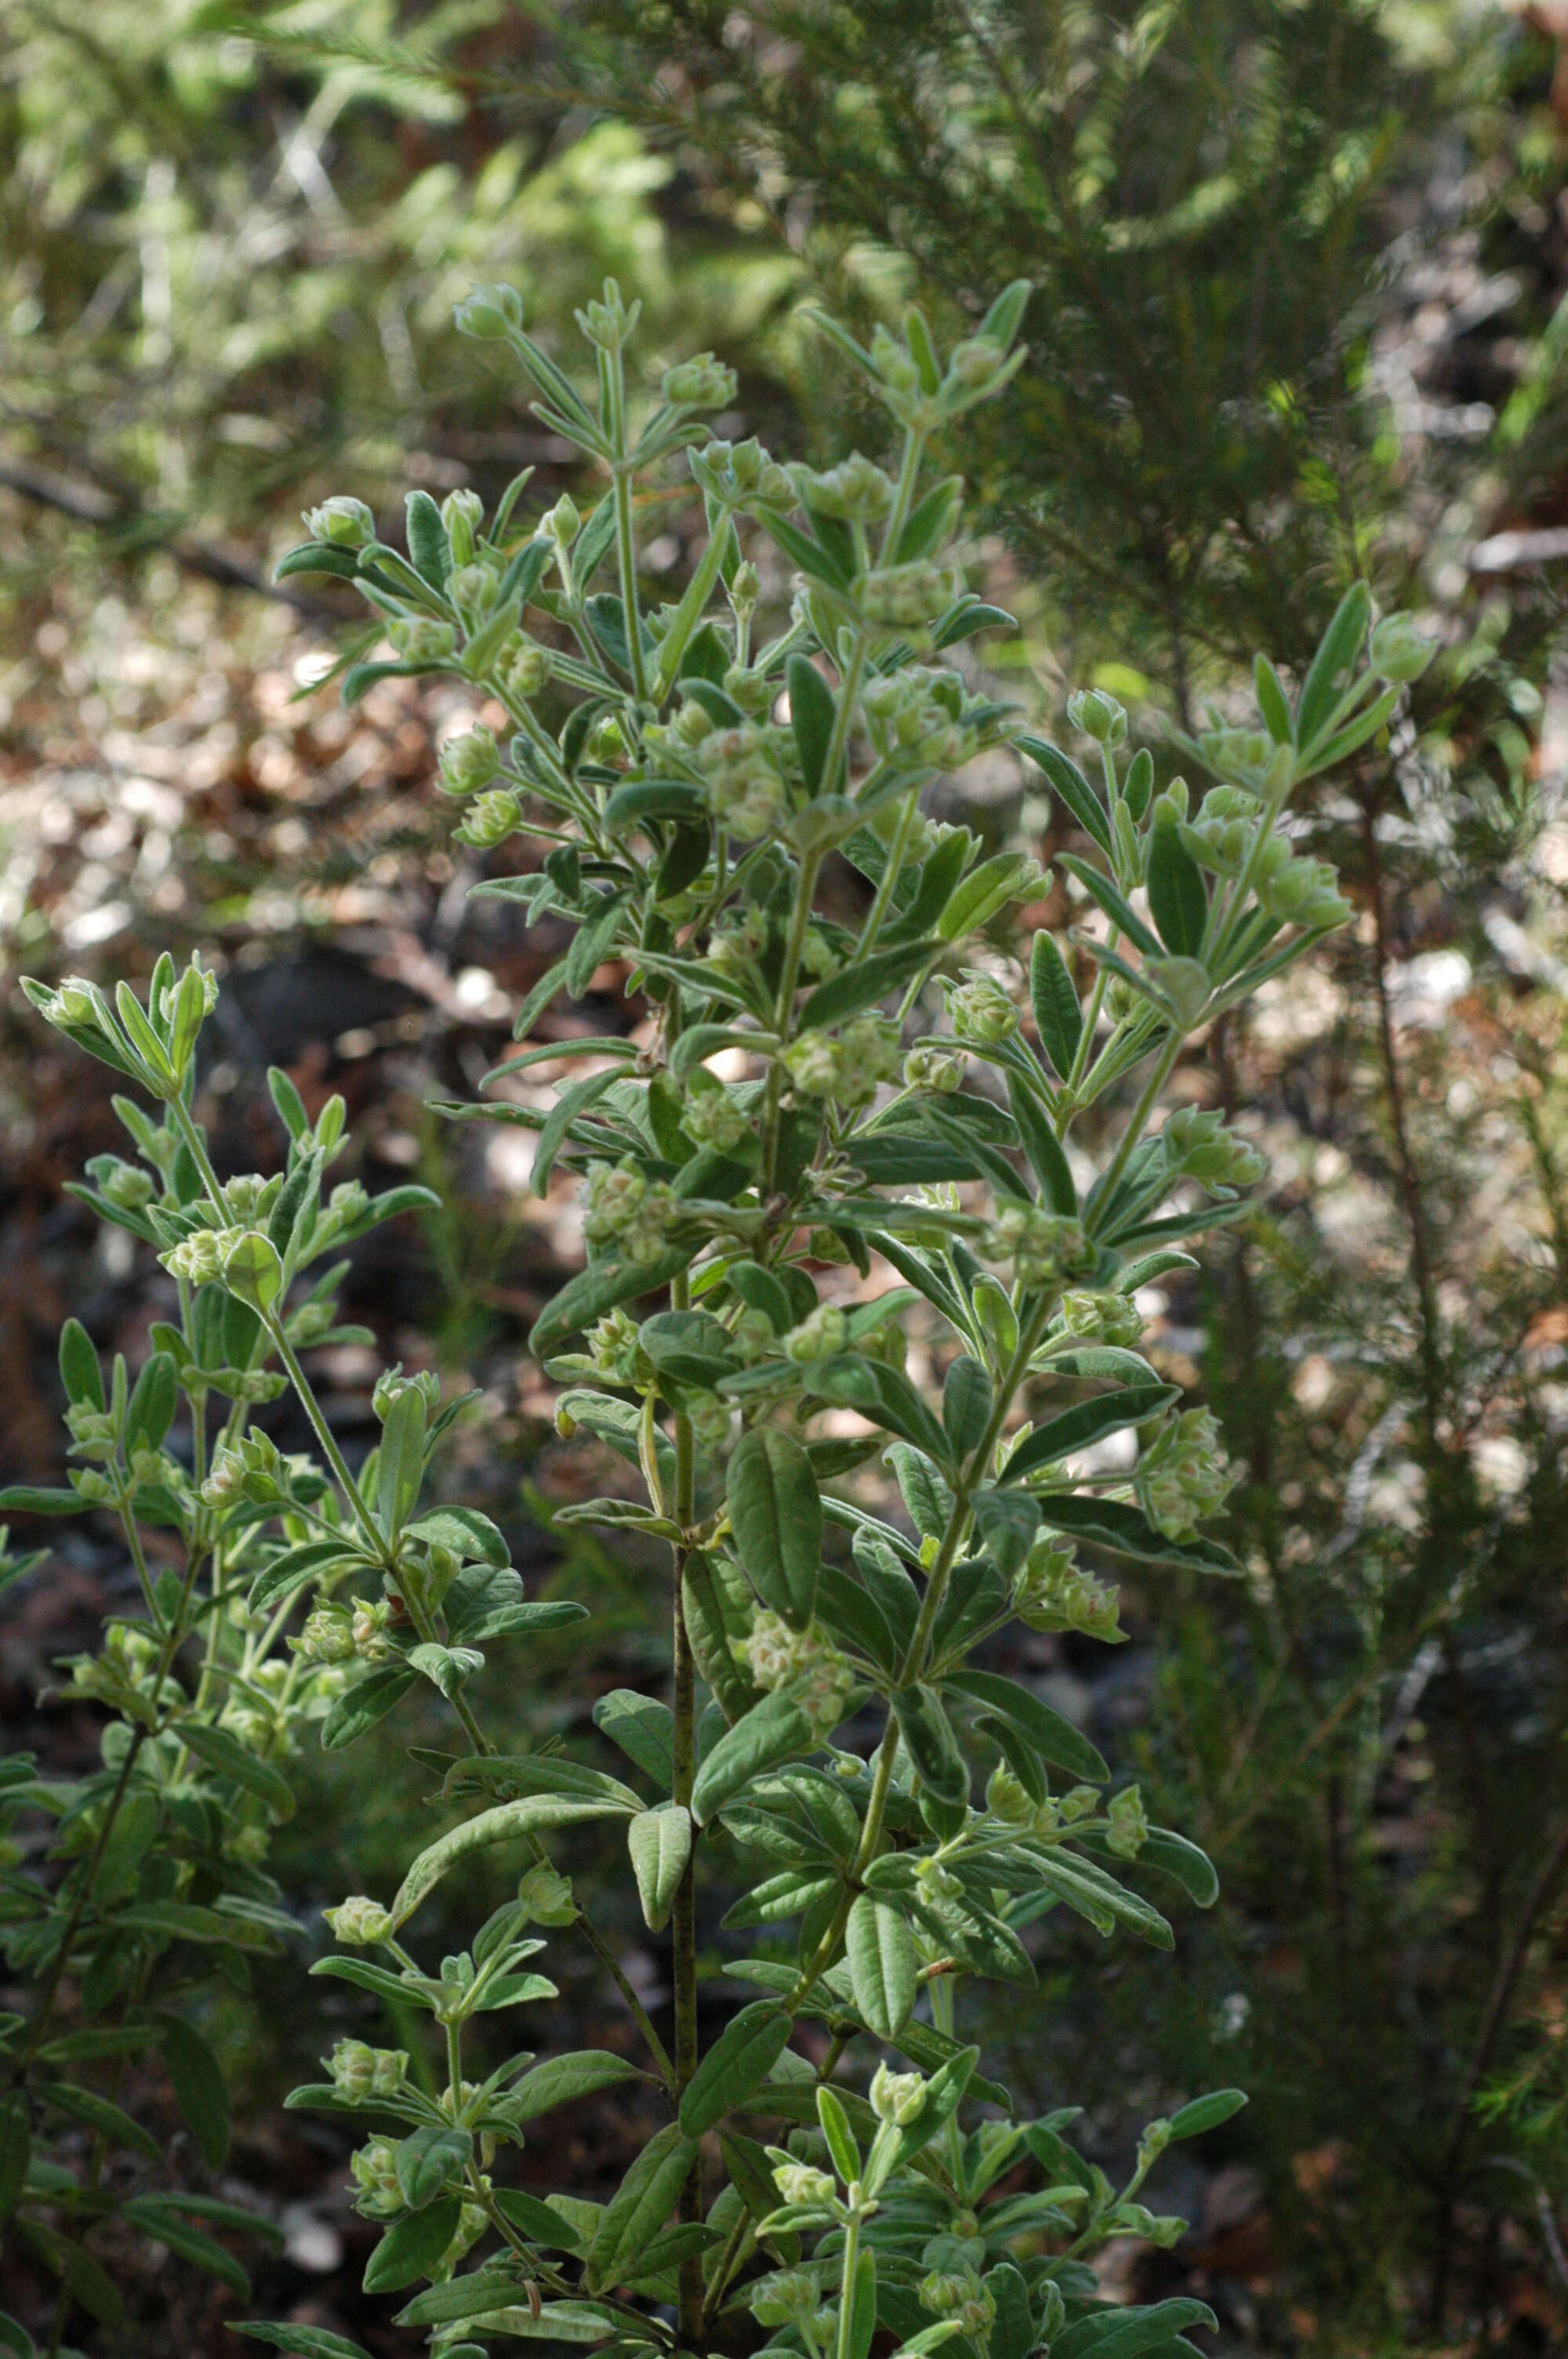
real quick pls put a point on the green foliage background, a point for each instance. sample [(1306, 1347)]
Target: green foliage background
[(1300, 311)]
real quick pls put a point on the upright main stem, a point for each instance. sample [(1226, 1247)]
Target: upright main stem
[(683, 1917)]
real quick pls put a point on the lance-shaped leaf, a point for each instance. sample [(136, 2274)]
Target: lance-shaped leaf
[(1054, 1739), (1057, 1016), (563, 2079), (862, 984), (811, 716), (775, 1513), (531, 1814), (772, 1733), (1084, 1423), (640, 2206), (413, 2246), (660, 1844), (1072, 785), (928, 1737), (1113, 1525), (598, 1288), (739, 2061), (884, 1969)]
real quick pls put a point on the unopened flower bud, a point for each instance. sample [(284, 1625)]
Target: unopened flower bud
[(344, 523), (490, 312), (358, 1921), (896, 2096)]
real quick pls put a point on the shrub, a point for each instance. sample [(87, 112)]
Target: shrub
[(819, 1094)]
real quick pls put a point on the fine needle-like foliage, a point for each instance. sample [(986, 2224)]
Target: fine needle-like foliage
[(829, 1753)]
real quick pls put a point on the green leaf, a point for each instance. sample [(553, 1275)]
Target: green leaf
[(644, 1728), (109, 2120), (739, 2060), (1044, 1149), (16, 2145), (537, 2221), (1118, 2333), (563, 2079), (427, 2159), (368, 1699), (400, 1461), (775, 1513), (302, 2342), (507, 1823), (930, 522), (466, 1532), (1206, 2113), (598, 1288), (660, 1844), (197, 2083), (568, 1105), (965, 1404), (1340, 646), (842, 2147), (1100, 889), (928, 1737), (221, 1751), (1008, 1521), (292, 1569), (1072, 785), (413, 2246), (772, 1733), (160, 2219), (883, 1968), (1053, 1738), (640, 2206), (812, 714), (83, 2276), (1178, 898), (79, 1372), (1084, 1423), (1272, 702), (860, 985), (812, 560), (427, 544), (1058, 1018), (862, 2305), (1113, 1525), (31, 1499)]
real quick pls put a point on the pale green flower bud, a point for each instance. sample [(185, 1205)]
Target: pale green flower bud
[(1043, 1247), (976, 361), (1102, 1317), (799, 2182), (374, 2173), (785, 2299), (564, 521), (328, 1636), (490, 818), (981, 1010), (856, 489), (547, 1896), (469, 763), (527, 670), (1006, 1798), (128, 1188), (710, 1115), (344, 523), (701, 383), (1095, 714), (490, 314), (419, 638), (1397, 651), (819, 1336), (936, 1069), (1129, 1823), (358, 1921), (463, 512), (905, 596), (896, 2097)]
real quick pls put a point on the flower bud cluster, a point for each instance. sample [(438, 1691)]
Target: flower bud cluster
[(490, 819), (421, 639), (908, 596), (701, 383), (959, 2295), (469, 763), (1183, 1474), (1129, 1823), (936, 1069), (802, 2182), (1097, 715), (1053, 1593), (803, 1661), (857, 489), (1099, 1315), (342, 522), (711, 1115), (125, 1185), (712, 1421), (819, 1336), (788, 2298), (896, 2097), (614, 1348), (742, 476), (1042, 1249), (849, 1070), (918, 716), (1198, 1146), (545, 1895), (251, 1468), (361, 2071), (742, 779), (373, 2168), (357, 1921), (979, 1010), (625, 1211), (328, 1636), (1397, 652)]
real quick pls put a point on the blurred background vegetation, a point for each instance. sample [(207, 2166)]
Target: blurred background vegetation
[(1300, 311)]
